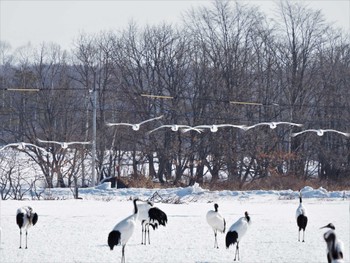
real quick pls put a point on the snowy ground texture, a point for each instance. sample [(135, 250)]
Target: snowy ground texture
[(71, 230)]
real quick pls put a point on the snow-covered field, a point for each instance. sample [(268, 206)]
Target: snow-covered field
[(76, 230)]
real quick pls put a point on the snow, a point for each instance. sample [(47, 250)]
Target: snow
[(70, 230)]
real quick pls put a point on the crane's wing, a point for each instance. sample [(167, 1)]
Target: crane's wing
[(256, 125), (119, 123), (200, 127), (243, 127), (79, 142), (36, 146), (9, 145), (160, 127), (156, 118), (298, 133), (343, 133), (190, 128), (43, 141), (289, 123)]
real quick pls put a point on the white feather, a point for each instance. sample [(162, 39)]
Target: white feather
[(240, 226), (301, 210), (126, 227), (216, 221)]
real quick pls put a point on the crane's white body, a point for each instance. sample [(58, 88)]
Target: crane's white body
[(241, 227), (237, 231), (122, 231), (150, 216), (301, 217), (301, 210), (143, 210), (217, 223), (126, 227), (25, 218)]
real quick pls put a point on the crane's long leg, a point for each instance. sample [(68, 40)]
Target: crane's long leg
[(237, 252), (20, 238), (142, 232), (303, 235), (299, 235), (145, 234), (26, 238), (149, 239), (123, 255), (216, 240)]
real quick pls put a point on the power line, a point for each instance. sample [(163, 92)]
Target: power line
[(122, 94)]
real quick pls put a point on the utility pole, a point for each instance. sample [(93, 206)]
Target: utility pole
[(93, 161)]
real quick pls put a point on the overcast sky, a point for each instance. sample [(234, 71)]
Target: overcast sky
[(60, 21)]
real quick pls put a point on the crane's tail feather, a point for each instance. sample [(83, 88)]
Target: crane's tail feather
[(154, 226), (231, 238), (113, 239), (302, 222), (155, 214), (35, 218), (19, 219)]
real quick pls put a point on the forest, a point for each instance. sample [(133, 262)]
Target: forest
[(224, 64)]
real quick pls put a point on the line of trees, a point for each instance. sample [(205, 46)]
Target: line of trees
[(297, 67)]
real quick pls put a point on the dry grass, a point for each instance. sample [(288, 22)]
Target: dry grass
[(279, 182), (140, 181)]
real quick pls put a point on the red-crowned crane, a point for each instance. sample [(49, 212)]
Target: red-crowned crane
[(25, 218), (150, 216), (217, 223), (273, 124), (122, 232), (335, 247), (301, 217), (321, 132), (237, 231)]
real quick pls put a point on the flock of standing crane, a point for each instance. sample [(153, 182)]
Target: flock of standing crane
[(238, 229), (148, 215)]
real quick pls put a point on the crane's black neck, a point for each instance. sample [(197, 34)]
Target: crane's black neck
[(216, 207), (247, 216), (135, 206), (333, 252)]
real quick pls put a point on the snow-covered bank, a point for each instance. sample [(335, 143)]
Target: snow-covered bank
[(193, 193)]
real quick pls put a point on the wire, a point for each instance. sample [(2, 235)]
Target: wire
[(123, 94)]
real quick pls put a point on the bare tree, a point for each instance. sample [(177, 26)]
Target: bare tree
[(303, 30)]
